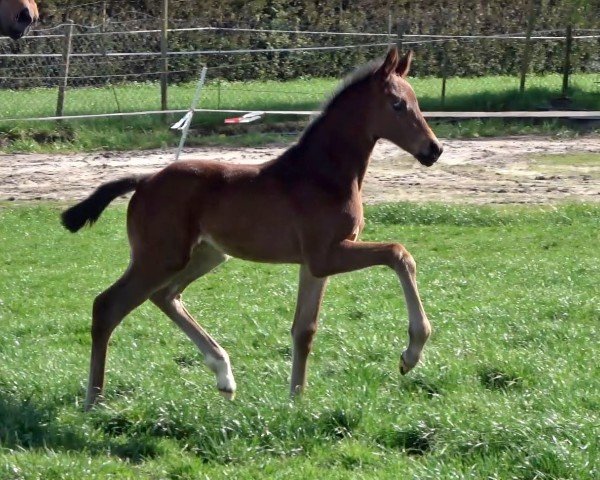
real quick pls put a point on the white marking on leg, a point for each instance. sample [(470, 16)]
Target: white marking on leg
[(222, 369), (419, 328)]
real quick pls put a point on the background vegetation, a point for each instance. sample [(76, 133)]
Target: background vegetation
[(284, 80), (464, 17)]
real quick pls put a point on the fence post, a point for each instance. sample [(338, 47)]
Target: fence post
[(402, 27), (441, 27), (567, 64), (60, 102), (527, 49), (389, 39), (164, 78), (444, 71), (219, 94), (103, 28)]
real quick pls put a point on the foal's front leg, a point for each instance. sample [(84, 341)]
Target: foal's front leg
[(348, 256), (310, 296)]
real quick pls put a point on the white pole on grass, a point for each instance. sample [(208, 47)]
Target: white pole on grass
[(187, 120)]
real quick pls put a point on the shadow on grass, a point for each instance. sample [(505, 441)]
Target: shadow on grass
[(283, 434), (26, 425), (536, 98), (39, 133), (420, 384), (417, 440), (496, 379)]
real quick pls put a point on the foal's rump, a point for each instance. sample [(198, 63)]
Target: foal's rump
[(237, 208), (174, 183)]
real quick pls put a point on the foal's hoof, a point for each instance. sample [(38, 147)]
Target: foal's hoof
[(228, 394), (405, 367), (92, 401)]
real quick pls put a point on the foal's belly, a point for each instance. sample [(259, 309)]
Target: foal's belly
[(256, 248), (256, 231)]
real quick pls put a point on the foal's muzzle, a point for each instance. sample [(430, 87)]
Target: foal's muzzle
[(16, 34), (22, 23), (430, 156)]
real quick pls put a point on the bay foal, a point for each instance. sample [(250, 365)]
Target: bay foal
[(16, 16), (304, 207)]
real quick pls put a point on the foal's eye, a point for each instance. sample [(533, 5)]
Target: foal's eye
[(399, 105)]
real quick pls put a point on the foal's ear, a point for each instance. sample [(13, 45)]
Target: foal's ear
[(390, 64), (404, 65)]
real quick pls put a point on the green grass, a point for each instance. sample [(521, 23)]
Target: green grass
[(482, 93), (565, 165), (485, 93), (581, 159), (510, 387)]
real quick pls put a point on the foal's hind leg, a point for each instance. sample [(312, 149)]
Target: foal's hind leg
[(310, 296), (168, 299), (110, 307)]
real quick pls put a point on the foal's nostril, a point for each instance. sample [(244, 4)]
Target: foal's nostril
[(24, 16), (436, 149)]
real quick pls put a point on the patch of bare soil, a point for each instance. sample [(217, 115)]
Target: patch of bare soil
[(500, 170)]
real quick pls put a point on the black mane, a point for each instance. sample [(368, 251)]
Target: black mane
[(361, 74)]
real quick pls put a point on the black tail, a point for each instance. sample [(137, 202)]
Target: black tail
[(90, 209)]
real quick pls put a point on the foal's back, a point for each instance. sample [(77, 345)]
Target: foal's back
[(243, 210)]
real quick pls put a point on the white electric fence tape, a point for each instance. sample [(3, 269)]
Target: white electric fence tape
[(185, 122)]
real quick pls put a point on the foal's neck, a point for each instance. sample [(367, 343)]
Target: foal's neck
[(340, 143)]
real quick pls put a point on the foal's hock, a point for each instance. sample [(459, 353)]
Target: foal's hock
[(304, 207)]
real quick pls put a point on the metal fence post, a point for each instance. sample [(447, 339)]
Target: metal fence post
[(443, 21), (103, 27), (60, 102), (219, 94)]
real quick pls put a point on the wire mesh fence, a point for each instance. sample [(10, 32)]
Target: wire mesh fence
[(117, 65)]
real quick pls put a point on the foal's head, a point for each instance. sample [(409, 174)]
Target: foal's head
[(16, 16), (396, 115)]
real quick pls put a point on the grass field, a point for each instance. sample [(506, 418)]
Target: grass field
[(485, 93), (582, 159), (510, 387)]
